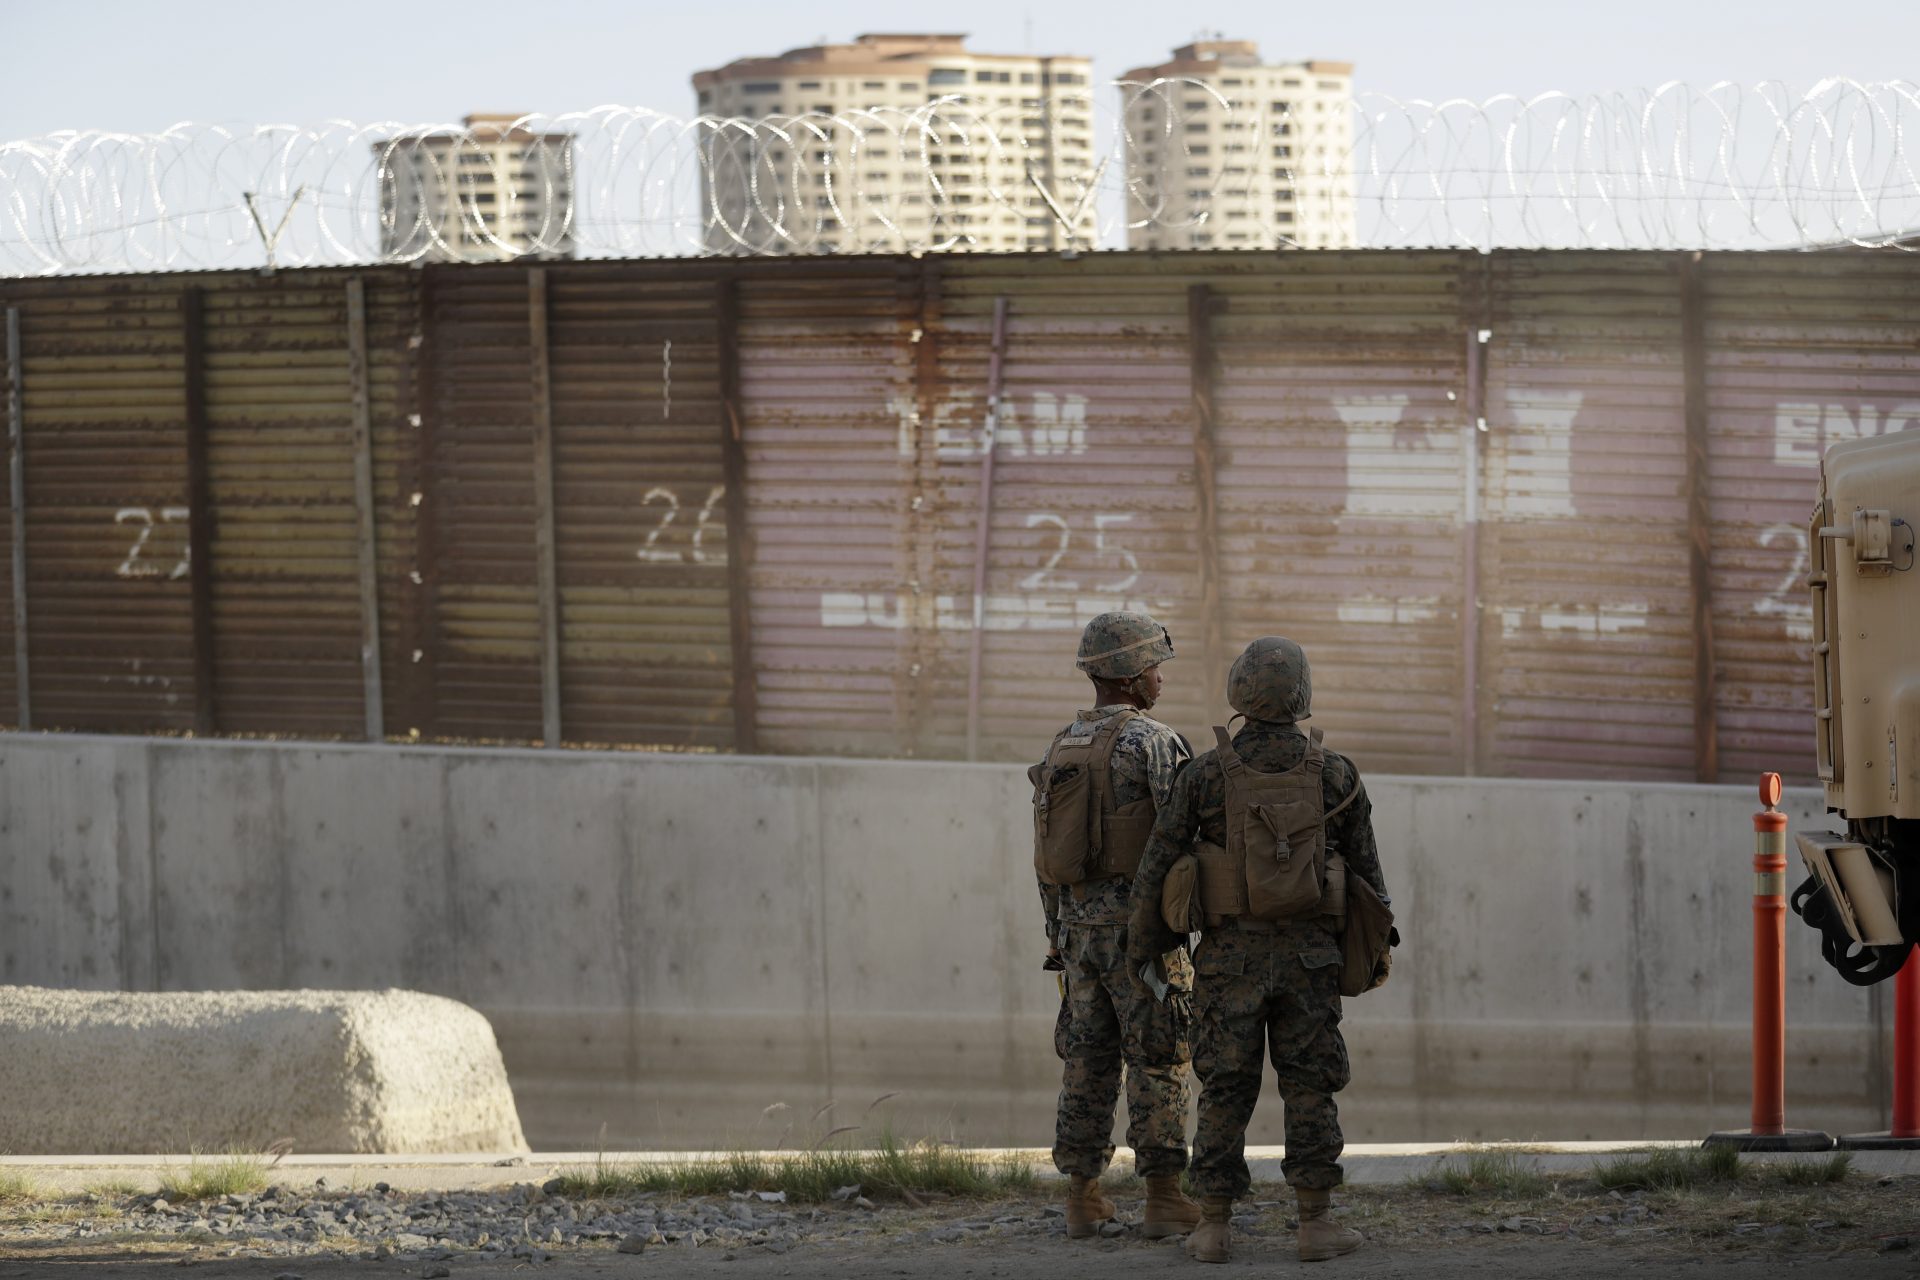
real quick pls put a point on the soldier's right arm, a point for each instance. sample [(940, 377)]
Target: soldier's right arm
[(1173, 830)]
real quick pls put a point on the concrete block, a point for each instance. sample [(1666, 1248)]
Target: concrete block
[(335, 1071)]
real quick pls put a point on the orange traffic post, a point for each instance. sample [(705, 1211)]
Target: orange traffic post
[(1769, 962), (1906, 1050), (1905, 1133), (1768, 1125)]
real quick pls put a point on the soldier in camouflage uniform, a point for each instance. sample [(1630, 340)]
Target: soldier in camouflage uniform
[(1263, 988), (1112, 1018)]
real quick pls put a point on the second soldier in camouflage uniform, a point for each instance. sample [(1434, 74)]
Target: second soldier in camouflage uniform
[(1263, 990), (1112, 1019)]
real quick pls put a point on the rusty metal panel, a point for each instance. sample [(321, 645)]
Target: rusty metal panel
[(1341, 489), (642, 541), (1804, 351), (830, 430), (286, 614), (106, 506), (1093, 492), (1587, 621), (485, 628)]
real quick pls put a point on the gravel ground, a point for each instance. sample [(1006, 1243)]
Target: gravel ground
[(1860, 1229)]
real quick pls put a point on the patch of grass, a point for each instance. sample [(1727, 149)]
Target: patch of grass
[(1669, 1169), (115, 1189), (1500, 1173), (810, 1176), (234, 1174), (1803, 1173), (16, 1186)]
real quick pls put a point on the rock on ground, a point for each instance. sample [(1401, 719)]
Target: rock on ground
[(349, 1071)]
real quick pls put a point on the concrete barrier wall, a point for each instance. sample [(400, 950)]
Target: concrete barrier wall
[(669, 945)]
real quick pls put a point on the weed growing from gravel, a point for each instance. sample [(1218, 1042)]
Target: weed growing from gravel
[(810, 1176), (234, 1174), (16, 1186), (1501, 1173), (1803, 1173), (1669, 1169)]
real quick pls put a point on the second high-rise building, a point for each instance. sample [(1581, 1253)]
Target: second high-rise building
[(897, 142), (1225, 152)]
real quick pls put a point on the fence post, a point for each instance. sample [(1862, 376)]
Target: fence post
[(17, 511), (1693, 348), (206, 718), (733, 476), (1477, 306), (983, 531), (1201, 308), (540, 390), (422, 617), (357, 382)]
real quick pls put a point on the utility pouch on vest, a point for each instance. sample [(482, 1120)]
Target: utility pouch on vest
[(1124, 836), (1333, 891), (1070, 828), (1276, 833), (1223, 886), (1180, 896)]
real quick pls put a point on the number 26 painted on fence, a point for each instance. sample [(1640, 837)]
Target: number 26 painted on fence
[(654, 552)]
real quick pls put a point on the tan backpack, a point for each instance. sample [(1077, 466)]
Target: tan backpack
[(1274, 865), (1075, 839)]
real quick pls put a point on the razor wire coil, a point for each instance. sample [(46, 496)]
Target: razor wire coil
[(1673, 167)]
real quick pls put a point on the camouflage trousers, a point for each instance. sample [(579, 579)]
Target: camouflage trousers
[(1112, 1019), (1257, 995)]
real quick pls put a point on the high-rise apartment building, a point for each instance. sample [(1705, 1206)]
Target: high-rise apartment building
[(1257, 158), (495, 191), (896, 141)]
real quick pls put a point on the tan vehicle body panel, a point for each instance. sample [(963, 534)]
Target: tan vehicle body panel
[(1866, 627)]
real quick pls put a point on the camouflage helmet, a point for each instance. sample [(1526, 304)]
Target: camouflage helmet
[(1271, 681), (1119, 646)]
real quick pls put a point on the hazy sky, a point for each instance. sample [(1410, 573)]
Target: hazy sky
[(141, 65)]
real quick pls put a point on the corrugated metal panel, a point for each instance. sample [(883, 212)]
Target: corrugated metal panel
[(1587, 619), (485, 628), (1094, 501), (830, 412), (1341, 489), (640, 520), (110, 638), (1805, 351), (863, 381), (286, 603)]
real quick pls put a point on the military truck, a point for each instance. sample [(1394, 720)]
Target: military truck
[(1863, 890)]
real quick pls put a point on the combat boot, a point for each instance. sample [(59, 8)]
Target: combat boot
[(1168, 1212), (1320, 1237), (1210, 1241), (1087, 1207)]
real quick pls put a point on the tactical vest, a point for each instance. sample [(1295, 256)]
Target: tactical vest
[(1078, 833), (1274, 865)]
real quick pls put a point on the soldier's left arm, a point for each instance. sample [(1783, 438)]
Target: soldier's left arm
[(1352, 829)]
